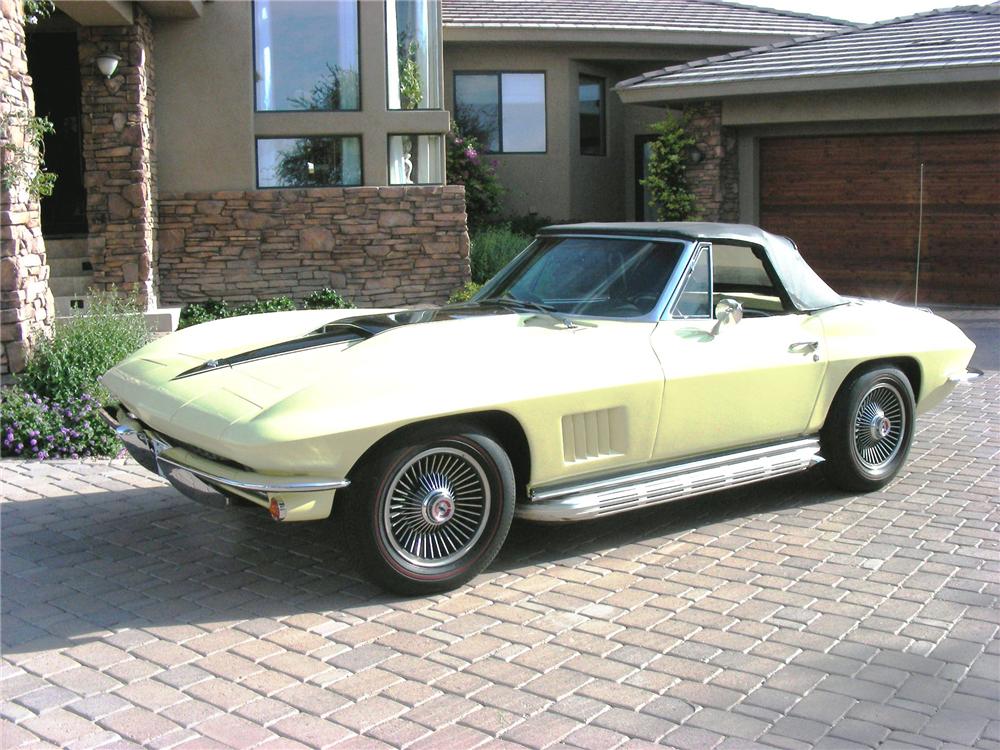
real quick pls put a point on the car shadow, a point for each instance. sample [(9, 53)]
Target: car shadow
[(78, 566)]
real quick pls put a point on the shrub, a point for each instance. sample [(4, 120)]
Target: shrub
[(464, 293), (203, 312), (35, 427), (528, 224), (666, 173), (326, 298), (269, 305), (83, 347), (465, 166), (492, 248)]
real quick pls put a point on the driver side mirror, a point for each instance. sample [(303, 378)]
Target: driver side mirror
[(726, 312)]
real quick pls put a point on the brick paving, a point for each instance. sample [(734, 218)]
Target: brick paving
[(783, 615)]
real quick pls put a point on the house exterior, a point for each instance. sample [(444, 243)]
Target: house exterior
[(230, 150), (865, 145), (577, 151), (249, 149)]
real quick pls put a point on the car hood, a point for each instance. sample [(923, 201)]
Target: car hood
[(356, 367)]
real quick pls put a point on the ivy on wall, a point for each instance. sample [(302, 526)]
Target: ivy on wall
[(666, 172)]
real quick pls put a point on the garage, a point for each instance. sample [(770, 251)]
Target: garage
[(852, 204)]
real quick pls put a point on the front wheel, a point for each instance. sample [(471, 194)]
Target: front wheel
[(429, 513), (868, 430)]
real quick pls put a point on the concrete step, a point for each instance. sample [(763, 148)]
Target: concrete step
[(66, 247), (160, 321), (71, 286), (62, 267)]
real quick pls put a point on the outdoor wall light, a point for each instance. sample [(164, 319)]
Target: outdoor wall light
[(107, 63), (695, 155)]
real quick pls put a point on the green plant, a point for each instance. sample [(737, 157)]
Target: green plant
[(23, 162), (36, 10), (465, 166), (411, 90), (215, 309), (83, 347), (269, 305), (36, 427), (203, 312), (464, 293), (666, 172), (492, 248), (326, 298), (528, 224)]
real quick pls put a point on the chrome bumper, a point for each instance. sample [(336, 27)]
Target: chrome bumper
[(202, 483), (965, 376)]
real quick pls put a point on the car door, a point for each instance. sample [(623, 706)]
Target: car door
[(738, 384)]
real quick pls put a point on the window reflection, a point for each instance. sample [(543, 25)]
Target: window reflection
[(416, 159), (591, 95), (306, 55), (413, 51), (313, 161), (505, 112)]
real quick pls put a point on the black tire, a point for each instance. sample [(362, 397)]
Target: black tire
[(868, 430), (428, 512)]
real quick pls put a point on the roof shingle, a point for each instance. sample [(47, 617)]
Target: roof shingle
[(649, 15), (965, 37)]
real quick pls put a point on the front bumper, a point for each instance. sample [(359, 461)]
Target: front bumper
[(215, 484)]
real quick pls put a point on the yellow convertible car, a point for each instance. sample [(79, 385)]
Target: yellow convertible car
[(608, 367)]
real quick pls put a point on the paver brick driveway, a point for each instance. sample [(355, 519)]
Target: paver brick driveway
[(785, 614)]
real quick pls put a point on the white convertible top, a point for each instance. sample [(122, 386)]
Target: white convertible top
[(805, 288)]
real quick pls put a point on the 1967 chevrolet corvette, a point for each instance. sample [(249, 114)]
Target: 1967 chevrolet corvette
[(607, 367)]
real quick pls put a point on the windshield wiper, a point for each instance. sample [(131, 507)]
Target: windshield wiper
[(523, 305)]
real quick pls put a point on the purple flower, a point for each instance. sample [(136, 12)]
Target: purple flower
[(19, 447), (42, 455), (32, 442), (470, 153), (74, 455)]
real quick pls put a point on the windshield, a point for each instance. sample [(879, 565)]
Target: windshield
[(599, 276)]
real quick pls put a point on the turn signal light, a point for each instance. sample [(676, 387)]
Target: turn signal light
[(277, 509)]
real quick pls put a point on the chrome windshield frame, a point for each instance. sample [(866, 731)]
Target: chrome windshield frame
[(653, 316)]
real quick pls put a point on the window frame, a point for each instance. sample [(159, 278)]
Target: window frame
[(256, 159), (253, 50), (499, 75), (439, 82), (700, 249), (388, 139), (602, 113)]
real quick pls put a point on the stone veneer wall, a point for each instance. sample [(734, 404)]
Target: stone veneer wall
[(119, 156), (378, 246), (26, 307), (715, 180)]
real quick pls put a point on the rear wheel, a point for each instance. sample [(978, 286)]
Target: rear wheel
[(429, 514), (868, 430)]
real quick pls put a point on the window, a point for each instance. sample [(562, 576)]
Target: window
[(306, 55), (695, 298), (740, 273), (310, 161), (416, 159), (413, 56), (504, 111), (604, 276), (591, 96)]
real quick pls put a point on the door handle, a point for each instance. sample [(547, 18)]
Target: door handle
[(803, 347)]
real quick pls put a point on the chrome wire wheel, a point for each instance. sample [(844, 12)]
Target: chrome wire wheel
[(879, 427), (437, 507)]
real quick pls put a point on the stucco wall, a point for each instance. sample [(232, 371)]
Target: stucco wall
[(377, 246), (536, 183), (205, 106)]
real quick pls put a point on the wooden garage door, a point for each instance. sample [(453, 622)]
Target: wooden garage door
[(851, 205)]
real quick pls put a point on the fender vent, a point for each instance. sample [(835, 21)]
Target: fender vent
[(593, 434)]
